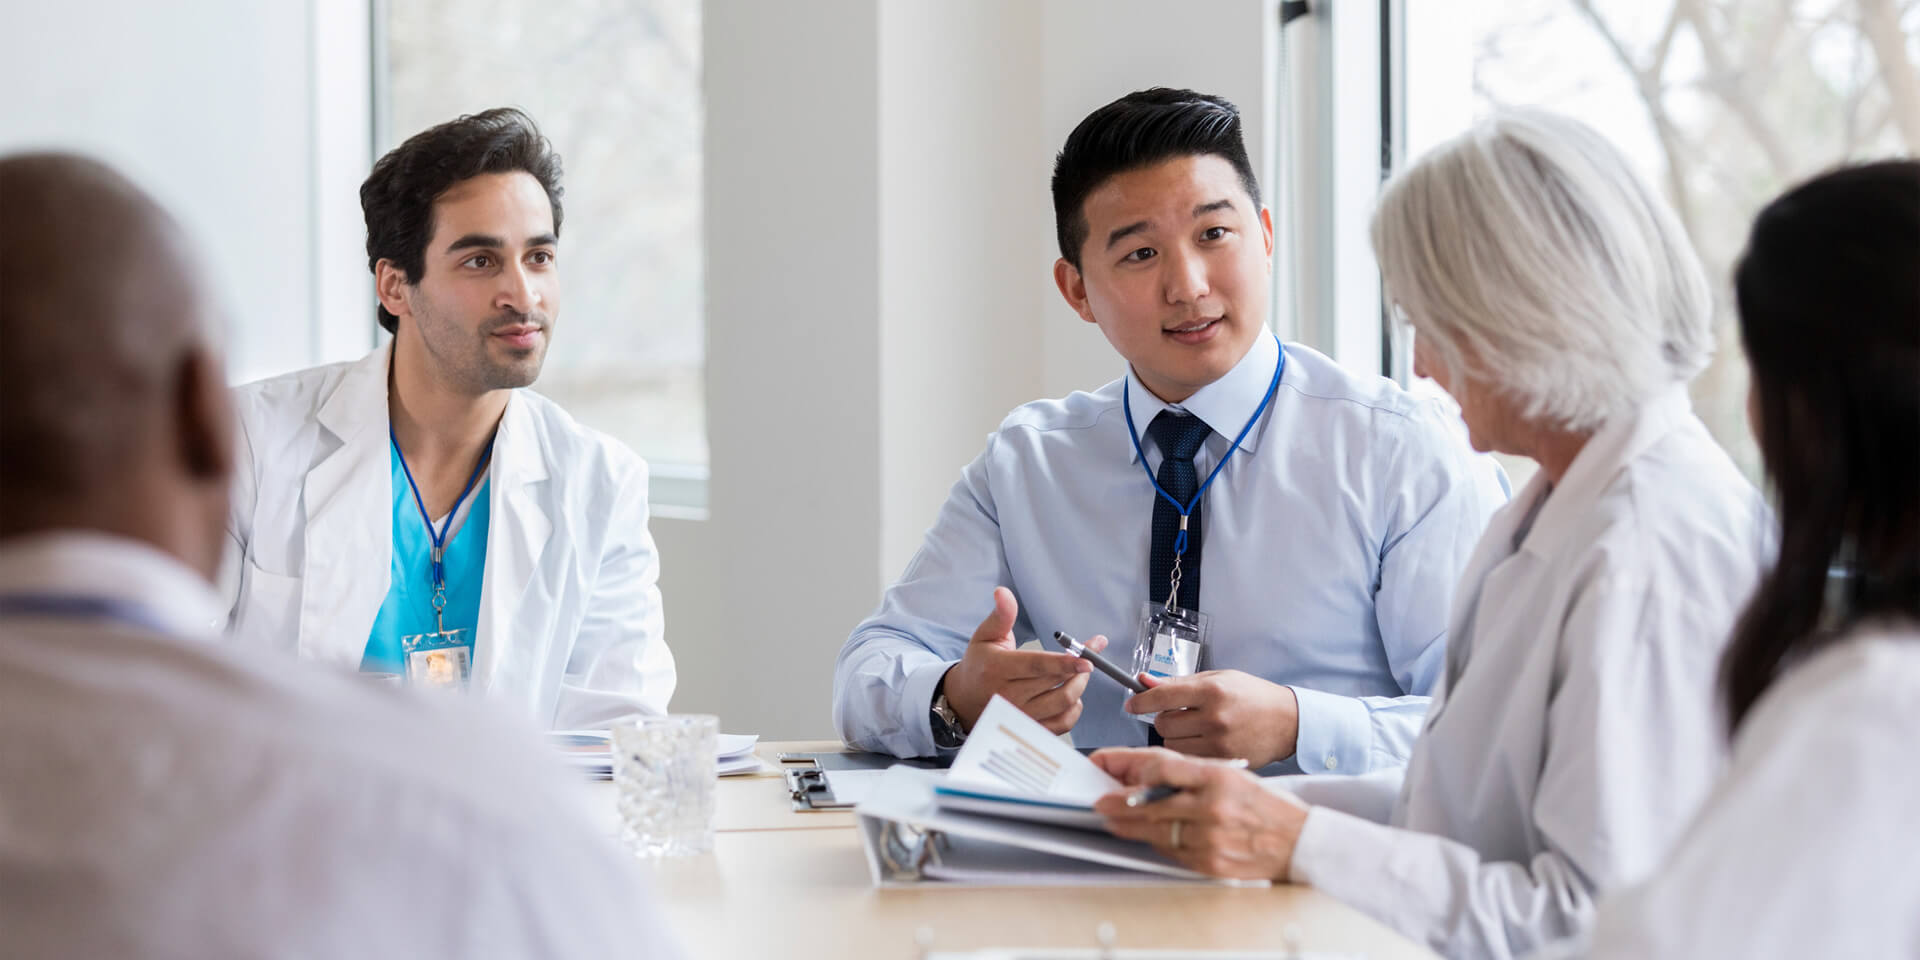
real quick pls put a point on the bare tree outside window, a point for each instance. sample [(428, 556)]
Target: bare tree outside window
[(1722, 104), (615, 84)]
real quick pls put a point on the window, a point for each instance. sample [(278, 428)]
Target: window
[(615, 84), (1721, 103)]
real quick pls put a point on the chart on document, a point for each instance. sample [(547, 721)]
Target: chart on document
[(1011, 749)]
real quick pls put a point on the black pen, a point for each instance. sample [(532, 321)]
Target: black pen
[(1155, 794), (1099, 662), (1159, 792)]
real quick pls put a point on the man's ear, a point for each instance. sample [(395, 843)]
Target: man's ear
[(389, 284), (204, 415), (1073, 287), (1266, 229)]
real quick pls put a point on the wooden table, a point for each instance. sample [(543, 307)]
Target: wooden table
[(794, 886)]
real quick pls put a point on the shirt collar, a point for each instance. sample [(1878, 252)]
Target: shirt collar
[(1611, 448), (113, 568), (1224, 405)]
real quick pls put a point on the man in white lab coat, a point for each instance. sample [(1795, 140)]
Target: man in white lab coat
[(418, 512), (161, 796)]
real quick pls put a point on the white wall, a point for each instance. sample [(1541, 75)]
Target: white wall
[(760, 594), (965, 223), (219, 109), (1097, 50)]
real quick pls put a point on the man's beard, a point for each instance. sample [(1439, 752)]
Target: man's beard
[(465, 357)]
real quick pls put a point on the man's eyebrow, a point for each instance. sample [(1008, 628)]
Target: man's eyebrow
[(543, 240), (1115, 236), (472, 240), (1206, 208)]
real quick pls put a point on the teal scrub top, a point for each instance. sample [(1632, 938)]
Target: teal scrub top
[(408, 608)]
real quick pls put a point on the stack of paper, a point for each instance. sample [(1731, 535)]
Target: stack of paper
[(591, 752), (736, 753)]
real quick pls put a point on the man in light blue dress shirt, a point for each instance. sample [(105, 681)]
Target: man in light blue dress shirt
[(1331, 536)]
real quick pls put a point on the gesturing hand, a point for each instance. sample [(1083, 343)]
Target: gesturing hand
[(1046, 686)]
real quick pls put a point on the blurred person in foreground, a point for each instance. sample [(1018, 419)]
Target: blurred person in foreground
[(1557, 299), (161, 796)]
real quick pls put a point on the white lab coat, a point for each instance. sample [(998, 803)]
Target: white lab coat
[(165, 798), (1575, 731), (570, 631), (1809, 846)]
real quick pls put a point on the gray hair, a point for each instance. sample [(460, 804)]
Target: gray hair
[(1540, 266)]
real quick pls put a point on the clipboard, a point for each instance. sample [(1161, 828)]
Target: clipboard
[(810, 788)]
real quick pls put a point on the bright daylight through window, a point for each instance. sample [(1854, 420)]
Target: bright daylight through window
[(1720, 103), (615, 84)]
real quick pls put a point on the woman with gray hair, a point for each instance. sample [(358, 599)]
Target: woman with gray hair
[(1555, 297)]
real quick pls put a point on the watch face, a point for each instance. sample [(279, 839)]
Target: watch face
[(946, 727)]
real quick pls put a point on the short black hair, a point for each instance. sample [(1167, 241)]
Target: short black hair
[(397, 198), (1139, 130)]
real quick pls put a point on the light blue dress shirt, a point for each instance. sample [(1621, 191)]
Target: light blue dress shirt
[(1331, 547)]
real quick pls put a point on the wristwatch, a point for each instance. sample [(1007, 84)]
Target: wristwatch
[(948, 732)]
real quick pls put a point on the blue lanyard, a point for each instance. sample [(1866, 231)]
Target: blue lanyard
[(1180, 540), (439, 537), (79, 606)]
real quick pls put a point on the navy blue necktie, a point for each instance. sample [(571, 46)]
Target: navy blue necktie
[(1179, 437)]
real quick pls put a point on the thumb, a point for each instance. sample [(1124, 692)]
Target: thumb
[(997, 628), (1149, 679)]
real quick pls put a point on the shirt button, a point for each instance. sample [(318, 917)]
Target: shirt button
[(1332, 762)]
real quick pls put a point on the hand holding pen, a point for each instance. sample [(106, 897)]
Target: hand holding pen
[(1161, 791), (1208, 815)]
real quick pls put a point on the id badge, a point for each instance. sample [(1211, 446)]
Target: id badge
[(438, 661), (1172, 643)]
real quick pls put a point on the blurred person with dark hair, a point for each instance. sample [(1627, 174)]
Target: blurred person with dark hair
[(1808, 846), (1332, 511), (161, 795), (421, 506)]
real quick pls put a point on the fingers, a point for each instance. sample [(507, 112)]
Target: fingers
[(1098, 643), (1139, 828), (1169, 694), (1149, 680), (997, 628), (1062, 722), (1189, 724), (1174, 770), (1035, 668), (1193, 806), (1123, 763), (1045, 704)]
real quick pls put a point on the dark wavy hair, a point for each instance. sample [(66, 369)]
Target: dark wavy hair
[(397, 198), (1139, 130), (1829, 298)]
